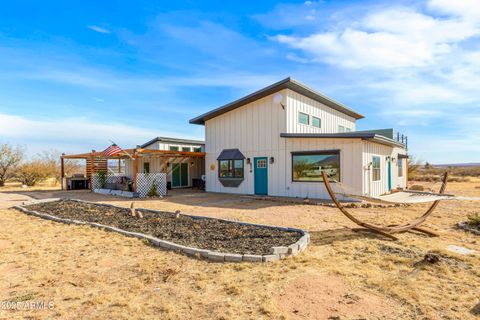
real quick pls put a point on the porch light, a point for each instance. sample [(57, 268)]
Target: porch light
[(272, 160), (248, 160), (192, 164)]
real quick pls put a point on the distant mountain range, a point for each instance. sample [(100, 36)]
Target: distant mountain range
[(468, 164)]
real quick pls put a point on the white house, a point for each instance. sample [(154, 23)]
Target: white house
[(180, 171), (277, 140)]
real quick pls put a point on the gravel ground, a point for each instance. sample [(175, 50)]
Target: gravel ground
[(212, 234)]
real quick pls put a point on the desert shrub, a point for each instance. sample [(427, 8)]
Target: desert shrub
[(474, 220), (153, 191), (32, 172), (417, 187)]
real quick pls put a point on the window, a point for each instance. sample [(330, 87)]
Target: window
[(375, 168), (308, 166), (230, 169), (146, 167), (400, 167), (186, 149), (303, 118), (341, 129), (261, 164), (197, 149), (348, 130), (173, 148), (316, 122)]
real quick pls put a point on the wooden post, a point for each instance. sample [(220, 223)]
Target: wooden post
[(92, 169), (62, 172), (165, 166), (119, 166), (135, 170), (406, 173)]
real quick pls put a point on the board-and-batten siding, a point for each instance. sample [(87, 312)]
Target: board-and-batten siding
[(159, 145), (330, 118), (376, 188), (255, 130)]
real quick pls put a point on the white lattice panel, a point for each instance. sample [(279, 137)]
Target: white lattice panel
[(146, 180)]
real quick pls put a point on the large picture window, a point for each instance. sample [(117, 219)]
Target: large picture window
[(230, 169), (375, 168), (308, 166)]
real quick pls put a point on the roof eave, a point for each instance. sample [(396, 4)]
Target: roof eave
[(287, 83)]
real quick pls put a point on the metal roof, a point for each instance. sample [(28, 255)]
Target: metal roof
[(287, 83), (347, 135), (231, 154), (173, 140)]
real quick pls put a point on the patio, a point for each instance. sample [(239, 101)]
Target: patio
[(137, 173)]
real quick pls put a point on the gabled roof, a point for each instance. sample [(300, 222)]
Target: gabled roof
[(172, 140), (375, 137), (287, 83)]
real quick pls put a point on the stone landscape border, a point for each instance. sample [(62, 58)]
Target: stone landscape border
[(276, 253), (464, 226)]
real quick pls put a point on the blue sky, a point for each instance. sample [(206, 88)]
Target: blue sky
[(74, 74)]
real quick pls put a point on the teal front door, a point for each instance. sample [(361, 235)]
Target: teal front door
[(389, 175), (261, 175)]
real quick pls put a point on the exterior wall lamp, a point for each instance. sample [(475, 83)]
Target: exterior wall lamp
[(272, 160)]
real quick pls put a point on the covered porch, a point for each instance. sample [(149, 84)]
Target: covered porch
[(136, 172)]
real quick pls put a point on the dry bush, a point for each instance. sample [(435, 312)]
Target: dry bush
[(474, 220), (32, 172), (51, 158), (417, 187)]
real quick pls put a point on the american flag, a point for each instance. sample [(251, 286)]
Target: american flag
[(112, 150)]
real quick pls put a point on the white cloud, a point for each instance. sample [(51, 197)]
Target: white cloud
[(74, 135), (99, 29), (387, 39)]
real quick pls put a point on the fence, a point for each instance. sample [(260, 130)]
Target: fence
[(145, 181)]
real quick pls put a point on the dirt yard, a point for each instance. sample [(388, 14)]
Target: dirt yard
[(89, 273)]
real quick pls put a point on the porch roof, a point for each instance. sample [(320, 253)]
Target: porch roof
[(136, 152)]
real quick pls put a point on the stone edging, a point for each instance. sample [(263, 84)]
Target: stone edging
[(276, 253), (464, 225)]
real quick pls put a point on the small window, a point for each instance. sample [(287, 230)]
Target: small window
[(341, 129), (197, 149), (348, 130), (400, 167), (303, 118), (261, 164), (376, 168), (230, 169), (187, 149), (146, 167), (316, 122), (174, 148)]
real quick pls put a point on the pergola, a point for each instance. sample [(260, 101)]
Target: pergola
[(132, 154)]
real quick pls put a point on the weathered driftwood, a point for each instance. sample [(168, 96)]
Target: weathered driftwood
[(388, 231)]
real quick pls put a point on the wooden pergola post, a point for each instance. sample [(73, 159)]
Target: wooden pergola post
[(135, 170), (92, 169), (62, 172), (119, 166), (165, 166), (406, 172)]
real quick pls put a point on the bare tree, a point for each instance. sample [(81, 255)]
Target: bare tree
[(10, 158), (51, 159), (413, 164)]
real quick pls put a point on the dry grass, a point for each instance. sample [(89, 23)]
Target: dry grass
[(89, 273)]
